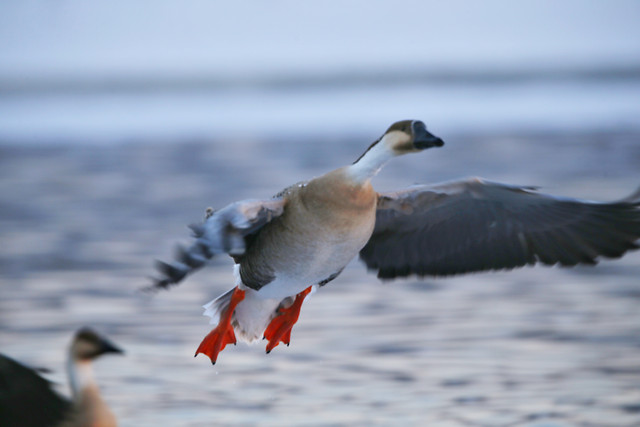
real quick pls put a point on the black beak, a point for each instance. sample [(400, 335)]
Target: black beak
[(422, 138), (107, 346)]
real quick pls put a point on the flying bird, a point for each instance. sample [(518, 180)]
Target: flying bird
[(303, 237), (27, 399)]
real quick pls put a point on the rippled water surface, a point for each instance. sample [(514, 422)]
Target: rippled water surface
[(80, 226)]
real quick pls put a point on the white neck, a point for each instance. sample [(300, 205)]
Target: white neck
[(80, 375), (371, 162)]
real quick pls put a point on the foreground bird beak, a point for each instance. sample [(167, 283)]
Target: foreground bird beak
[(422, 138)]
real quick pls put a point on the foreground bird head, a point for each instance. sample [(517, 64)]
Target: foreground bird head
[(87, 345), (408, 136), (403, 137)]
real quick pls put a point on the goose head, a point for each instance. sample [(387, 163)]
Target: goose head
[(409, 136), (87, 345), (403, 137)]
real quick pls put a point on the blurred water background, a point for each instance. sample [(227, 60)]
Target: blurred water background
[(121, 122)]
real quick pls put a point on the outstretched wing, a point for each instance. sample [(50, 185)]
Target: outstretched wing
[(224, 231), (27, 399), (475, 225)]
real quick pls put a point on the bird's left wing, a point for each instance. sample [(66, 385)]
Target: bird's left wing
[(474, 225), (223, 231)]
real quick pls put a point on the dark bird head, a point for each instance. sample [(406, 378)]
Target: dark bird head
[(87, 345)]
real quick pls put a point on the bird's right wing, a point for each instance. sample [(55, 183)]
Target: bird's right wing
[(223, 231), (27, 399), (475, 225)]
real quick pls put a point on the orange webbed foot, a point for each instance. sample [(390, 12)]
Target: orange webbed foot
[(223, 334), (279, 330)]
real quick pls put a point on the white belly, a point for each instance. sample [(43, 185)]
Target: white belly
[(313, 253), (313, 241), (253, 314), (320, 265)]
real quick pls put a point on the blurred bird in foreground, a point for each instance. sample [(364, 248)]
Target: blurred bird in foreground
[(303, 237), (27, 399)]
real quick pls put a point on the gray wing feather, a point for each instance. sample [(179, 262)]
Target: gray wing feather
[(475, 225), (223, 231)]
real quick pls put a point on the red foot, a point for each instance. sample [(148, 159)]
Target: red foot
[(223, 334), (279, 330)]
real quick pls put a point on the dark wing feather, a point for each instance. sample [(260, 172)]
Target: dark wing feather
[(476, 225), (27, 399), (225, 231)]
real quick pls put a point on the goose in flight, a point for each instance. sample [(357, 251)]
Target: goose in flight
[(27, 399), (302, 238)]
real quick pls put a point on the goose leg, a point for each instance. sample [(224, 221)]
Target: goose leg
[(279, 330), (223, 334)]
